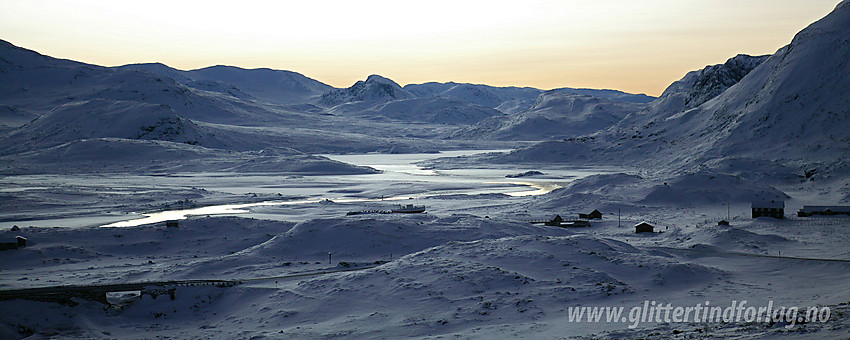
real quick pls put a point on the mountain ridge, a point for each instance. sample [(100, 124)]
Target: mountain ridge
[(786, 115)]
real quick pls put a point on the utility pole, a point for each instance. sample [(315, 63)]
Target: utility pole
[(727, 212), (618, 217)]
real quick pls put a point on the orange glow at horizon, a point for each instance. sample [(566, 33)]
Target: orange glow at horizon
[(638, 47)]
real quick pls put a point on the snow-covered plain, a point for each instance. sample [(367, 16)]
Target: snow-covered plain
[(89, 151)]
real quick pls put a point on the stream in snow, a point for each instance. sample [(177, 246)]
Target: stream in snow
[(401, 179)]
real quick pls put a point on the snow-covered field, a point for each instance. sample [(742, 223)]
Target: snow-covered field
[(260, 168), (472, 266)]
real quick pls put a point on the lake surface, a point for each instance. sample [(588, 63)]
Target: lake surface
[(401, 179)]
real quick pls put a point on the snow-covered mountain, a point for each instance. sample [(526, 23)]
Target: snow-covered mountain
[(505, 99), (556, 114), (499, 113), (100, 118), (787, 115), (613, 95), (698, 87), (435, 110), (374, 90), (35, 83), (275, 86), (510, 99), (62, 116), (380, 98)]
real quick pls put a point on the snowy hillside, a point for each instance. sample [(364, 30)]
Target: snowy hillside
[(161, 70), (67, 117), (556, 114), (614, 95), (374, 90), (786, 116), (698, 87), (275, 86), (225, 203), (101, 118), (35, 83), (381, 98), (505, 99), (11, 117), (140, 156), (511, 100), (434, 110)]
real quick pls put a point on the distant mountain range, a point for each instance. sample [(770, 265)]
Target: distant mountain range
[(207, 105), (275, 86), (554, 114), (751, 115)]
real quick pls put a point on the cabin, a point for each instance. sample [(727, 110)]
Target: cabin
[(558, 221), (772, 208), (555, 221), (644, 227), (825, 210), (172, 224), (20, 242), (593, 215)]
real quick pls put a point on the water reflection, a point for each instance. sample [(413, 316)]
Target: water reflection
[(397, 168)]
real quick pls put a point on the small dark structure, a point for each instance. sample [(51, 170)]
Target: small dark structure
[(399, 209), (593, 215), (20, 242), (809, 210), (772, 208), (555, 221), (408, 209), (172, 224), (723, 222), (558, 221), (644, 227)]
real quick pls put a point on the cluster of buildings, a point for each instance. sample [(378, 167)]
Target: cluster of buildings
[(583, 221), (776, 209), (771, 208), (825, 210)]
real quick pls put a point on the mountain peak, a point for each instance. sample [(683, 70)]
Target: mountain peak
[(700, 86), (381, 80), (375, 89)]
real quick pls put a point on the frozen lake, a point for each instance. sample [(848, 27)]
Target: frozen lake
[(267, 195)]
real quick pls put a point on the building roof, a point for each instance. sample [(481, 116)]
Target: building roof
[(772, 204), (834, 208), (643, 223)]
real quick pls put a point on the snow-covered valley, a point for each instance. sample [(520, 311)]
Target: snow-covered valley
[(265, 204)]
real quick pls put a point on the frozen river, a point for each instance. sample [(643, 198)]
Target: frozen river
[(401, 179)]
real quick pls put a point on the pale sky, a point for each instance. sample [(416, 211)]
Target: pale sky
[(634, 46)]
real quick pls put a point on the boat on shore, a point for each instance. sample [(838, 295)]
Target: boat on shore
[(409, 209), (400, 209)]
